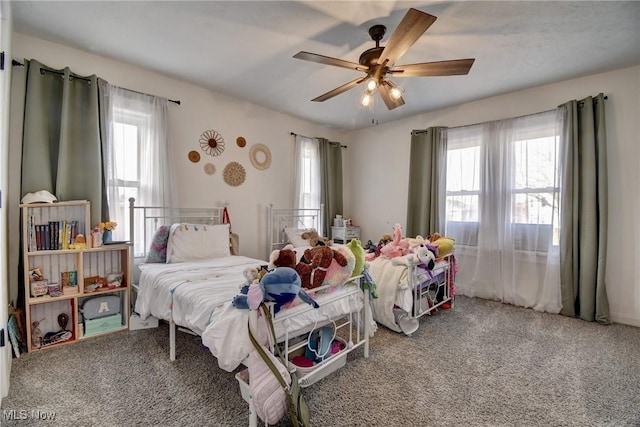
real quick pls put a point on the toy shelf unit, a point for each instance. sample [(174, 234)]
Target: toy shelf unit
[(62, 272), (432, 289), (345, 234)]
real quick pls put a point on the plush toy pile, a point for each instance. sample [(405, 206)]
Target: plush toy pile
[(279, 286), (395, 246), (285, 277)]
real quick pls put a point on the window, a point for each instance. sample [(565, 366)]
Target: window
[(307, 177), (137, 159), (463, 185), (536, 192), (504, 170), (126, 156)]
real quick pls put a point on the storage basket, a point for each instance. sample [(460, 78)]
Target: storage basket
[(313, 374)]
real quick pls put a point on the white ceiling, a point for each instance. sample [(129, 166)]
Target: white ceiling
[(245, 49)]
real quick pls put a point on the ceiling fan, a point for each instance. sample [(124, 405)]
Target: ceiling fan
[(378, 62)]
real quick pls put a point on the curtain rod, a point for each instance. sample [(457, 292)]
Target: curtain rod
[(142, 93), (330, 142), (419, 131), (43, 70)]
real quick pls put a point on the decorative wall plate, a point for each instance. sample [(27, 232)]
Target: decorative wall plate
[(209, 169), (194, 156), (260, 156), (212, 142), (234, 174), (241, 141)]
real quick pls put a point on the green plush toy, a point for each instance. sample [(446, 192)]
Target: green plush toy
[(358, 251)]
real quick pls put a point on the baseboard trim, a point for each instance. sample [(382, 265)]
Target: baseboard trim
[(625, 320)]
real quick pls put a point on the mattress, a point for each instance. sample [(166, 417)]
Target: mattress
[(189, 292)]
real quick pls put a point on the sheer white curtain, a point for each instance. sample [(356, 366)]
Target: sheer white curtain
[(137, 154), (502, 208), (306, 182)]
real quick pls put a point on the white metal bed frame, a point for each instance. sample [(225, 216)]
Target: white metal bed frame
[(426, 287), (278, 219), (153, 217), (429, 289)]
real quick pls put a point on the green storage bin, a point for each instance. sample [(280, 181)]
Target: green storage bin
[(102, 325)]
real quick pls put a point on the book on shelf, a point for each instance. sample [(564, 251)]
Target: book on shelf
[(33, 242), (69, 278), (54, 235)]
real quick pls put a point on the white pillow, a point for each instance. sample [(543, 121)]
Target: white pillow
[(294, 235), (196, 242)]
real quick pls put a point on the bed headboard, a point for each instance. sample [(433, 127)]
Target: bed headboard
[(279, 219), (145, 220)]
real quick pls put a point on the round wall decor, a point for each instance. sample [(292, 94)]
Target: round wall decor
[(194, 156), (209, 169), (212, 142), (234, 174), (260, 156), (241, 141)]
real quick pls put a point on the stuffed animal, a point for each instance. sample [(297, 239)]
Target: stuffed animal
[(313, 266), (446, 245), (279, 286), (386, 238), (398, 246), (252, 274), (36, 334), (338, 273), (315, 239), (285, 257), (415, 242), (424, 255), (358, 252)]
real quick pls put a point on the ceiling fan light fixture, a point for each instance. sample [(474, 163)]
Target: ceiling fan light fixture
[(395, 91), (371, 85), (379, 62), (366, 100)]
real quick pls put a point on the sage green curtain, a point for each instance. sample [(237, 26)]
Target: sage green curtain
[(331, 186), (61, 150), (427, 182), (583, 210)]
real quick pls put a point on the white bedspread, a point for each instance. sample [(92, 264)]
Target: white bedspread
[(198, 295), (193, 289)]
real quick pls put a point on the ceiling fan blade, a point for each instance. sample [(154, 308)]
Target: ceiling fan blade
[(385, 92), (412, 26), (454, 67), (327, 60), (337, 91)]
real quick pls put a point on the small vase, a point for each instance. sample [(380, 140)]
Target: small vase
[(106, 236)]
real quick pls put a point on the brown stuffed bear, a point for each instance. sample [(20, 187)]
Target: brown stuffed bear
[(314, 264), (285, 257), (315, 240)]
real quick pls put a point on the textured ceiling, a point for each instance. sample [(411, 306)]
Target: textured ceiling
[(245, 49)]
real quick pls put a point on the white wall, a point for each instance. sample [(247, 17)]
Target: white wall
[(378, 159), (200, 110)]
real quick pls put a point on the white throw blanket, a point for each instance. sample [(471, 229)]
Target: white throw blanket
[(390, 281)]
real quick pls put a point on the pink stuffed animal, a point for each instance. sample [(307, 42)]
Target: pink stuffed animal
[(398, 246)]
